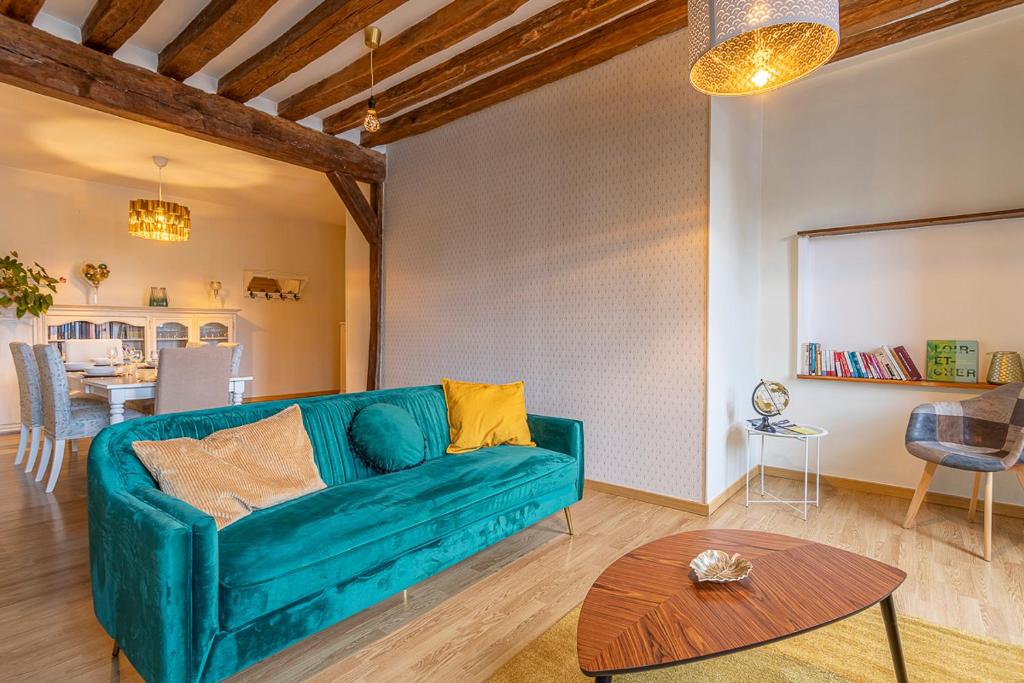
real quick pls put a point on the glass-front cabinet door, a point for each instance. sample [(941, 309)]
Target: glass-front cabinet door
[(171, 333), (214, 330), (130, 332)]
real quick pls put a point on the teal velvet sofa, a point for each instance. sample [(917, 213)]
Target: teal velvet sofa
[(185, 602)]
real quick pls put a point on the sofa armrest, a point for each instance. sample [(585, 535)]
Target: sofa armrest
[(562, 435), (154, 578)]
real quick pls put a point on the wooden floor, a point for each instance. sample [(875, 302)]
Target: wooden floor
[(465, 622)]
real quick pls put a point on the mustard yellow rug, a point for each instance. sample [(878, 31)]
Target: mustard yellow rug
[(851, 650)]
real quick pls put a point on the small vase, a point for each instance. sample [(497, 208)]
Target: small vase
[(158, 296), (94, 295)]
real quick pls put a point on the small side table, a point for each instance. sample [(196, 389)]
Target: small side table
[(806, 439)]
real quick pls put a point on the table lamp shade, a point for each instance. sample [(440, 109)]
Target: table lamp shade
[(741, 47)]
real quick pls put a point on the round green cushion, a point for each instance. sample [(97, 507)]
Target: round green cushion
[(387, 437)]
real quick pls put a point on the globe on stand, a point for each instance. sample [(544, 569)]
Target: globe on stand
[(769, 400)]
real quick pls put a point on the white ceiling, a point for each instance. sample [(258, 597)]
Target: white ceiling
[(173, 15), (51, 136)]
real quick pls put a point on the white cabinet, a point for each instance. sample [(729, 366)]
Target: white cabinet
[(146, 328)]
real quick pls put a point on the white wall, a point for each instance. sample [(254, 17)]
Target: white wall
[(930, 127), (291, 347), (560, 238), (733, 283), (357, 307)]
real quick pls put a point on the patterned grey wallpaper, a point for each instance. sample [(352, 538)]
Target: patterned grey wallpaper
[(561, 238)]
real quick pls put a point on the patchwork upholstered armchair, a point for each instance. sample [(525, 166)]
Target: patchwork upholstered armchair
[(982, 435)]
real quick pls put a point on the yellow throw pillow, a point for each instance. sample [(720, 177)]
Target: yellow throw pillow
[(481, 415), (234, 471)]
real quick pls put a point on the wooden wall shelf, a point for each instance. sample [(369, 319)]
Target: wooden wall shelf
[(910, 383), (915, 223)]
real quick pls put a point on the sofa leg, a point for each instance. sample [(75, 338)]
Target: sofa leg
[(568, 520), (116, 651), (405, 596), (922, 488), (973, 509)]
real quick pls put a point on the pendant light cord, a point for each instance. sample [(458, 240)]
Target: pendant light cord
[(160, 183), (371, 73)]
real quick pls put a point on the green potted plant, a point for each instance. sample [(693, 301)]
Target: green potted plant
[(27, 289)]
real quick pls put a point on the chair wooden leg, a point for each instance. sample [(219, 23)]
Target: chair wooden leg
[(22, 445), (973, 509), (922, 488), (988, 516), (33, 449), (568, 521), (44, 459), (58, 461)]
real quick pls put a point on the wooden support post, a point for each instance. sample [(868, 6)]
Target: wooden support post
[(368, 216)]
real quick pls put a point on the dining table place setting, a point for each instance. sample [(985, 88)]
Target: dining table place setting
[(123, 375)]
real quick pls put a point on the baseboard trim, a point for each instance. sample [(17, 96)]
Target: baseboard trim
[(894, 491), (731, 490), (284, 397), (648, 497)]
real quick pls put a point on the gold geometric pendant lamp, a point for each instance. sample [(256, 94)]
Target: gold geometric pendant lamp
[(155, 219), (742, 47)]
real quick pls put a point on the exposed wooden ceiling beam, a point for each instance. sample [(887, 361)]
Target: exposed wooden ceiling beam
[(636, 28), (21, 10), (918, 25), (43, 63), (452, 23), (857, 16), (318, 32), (220, 24), (112, 22), (544, 29)]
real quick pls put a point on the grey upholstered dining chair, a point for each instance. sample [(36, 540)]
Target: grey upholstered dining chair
[(193, 379), (983, 435), (27, 370), (64, 418), (236, 355)]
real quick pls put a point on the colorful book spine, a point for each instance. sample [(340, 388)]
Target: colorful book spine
[(904, 355)]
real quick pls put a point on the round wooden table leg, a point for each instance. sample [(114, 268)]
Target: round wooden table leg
[(892, 631)]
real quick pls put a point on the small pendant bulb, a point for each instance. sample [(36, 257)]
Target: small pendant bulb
[(371, 124)]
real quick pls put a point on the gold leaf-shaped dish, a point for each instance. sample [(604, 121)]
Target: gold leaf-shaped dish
[(720, 567)]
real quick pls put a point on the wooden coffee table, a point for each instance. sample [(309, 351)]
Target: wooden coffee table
[(647, 611)]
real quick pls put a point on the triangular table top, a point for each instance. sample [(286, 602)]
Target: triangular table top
[(646, 611)]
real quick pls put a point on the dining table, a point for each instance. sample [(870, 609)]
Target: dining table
[(117, 389)]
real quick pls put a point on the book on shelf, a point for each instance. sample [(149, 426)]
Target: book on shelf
[(952, 360), (884, 362)]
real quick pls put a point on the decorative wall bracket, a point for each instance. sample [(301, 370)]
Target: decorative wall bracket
[(273, 285)]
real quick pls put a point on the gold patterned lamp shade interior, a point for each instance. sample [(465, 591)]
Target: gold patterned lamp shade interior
[(743, 47), (156, 219)]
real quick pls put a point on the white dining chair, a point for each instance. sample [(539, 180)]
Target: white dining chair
[(64, 418), (193, 379), (236, 355), (31, 401)]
